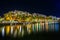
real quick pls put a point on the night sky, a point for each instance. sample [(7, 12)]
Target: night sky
[(47, 7)]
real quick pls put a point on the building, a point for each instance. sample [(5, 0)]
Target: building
[(20, 23)]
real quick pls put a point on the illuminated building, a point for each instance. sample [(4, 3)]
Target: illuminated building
[(18, 23)]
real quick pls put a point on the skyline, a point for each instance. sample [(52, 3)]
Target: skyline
[(21, 22)]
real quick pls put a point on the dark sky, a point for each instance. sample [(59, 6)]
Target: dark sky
[(47, 7)]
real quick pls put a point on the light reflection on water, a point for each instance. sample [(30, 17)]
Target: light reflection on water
[(20, 30), (3, 31)]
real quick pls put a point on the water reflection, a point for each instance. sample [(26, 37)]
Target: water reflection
[(24, 29)]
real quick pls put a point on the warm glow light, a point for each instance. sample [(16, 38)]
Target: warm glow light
[(19, 23), (7, 28), (46, 25)]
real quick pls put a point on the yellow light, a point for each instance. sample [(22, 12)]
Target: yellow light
[(28, 25), (29, 28), (7, 18), (7, 29), (46, 24)]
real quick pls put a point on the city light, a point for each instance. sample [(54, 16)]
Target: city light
[(19, 23)]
